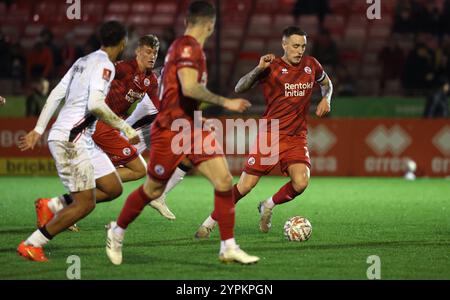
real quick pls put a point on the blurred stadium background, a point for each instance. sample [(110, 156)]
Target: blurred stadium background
[(388, 73)]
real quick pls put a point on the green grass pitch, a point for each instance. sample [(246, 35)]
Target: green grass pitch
[(405, 223)]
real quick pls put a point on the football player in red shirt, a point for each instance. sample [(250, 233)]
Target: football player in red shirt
[(183, 86), (287, 84)]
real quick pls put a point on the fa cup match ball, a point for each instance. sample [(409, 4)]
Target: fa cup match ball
[(297, 229)]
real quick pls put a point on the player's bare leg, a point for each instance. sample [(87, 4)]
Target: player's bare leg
[(83, 204), (246, 183), (108, 188), (217, 172), (160, 204), (299, 174), (132, 208), (134, 170)]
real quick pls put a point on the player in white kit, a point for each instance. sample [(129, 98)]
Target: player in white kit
[(84, 88)]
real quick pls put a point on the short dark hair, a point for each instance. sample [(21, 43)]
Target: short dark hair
[(200, 9), (291, 30), (149, 40), (112, 33)]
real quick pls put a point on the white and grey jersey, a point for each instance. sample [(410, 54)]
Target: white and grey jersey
[(90, 73)]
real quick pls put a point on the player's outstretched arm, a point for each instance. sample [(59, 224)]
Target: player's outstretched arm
[(249, 80), (192, 89), (326, 87), (97, 106)]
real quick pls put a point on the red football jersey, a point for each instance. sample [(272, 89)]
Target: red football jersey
[(184, 52), (130, 85), (287, 90)]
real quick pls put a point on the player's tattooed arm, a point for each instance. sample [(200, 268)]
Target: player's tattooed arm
[(193, 89), (250, 79), (326, 87)]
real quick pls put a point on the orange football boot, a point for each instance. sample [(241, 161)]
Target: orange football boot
[(31, 253), (43, 212)]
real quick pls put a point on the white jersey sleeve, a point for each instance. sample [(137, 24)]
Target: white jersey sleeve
[(53, 101), (144, 108), (102, 76)]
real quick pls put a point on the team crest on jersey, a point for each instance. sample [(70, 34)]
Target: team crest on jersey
[(106, 74), (284, 71), (159, 170), (126, 151), (251, 161), (308, 70), (187, 52), (146, 82)]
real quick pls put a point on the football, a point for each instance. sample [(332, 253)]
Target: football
[(297, 229)]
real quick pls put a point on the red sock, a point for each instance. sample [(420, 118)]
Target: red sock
[(236, 196), (133, 207), (224, 206), (285, 194)]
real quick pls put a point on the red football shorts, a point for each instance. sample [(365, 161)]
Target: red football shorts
[(116, 146), (287, 151), (167, 150)]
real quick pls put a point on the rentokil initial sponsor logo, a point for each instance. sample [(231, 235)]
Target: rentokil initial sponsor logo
[(297, 89)]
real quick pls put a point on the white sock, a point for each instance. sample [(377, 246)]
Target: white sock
[(119, 231), (36, 239), (230, 243), (269, 203), (209, 222), (176, 177), (222, 246), (55, 204)]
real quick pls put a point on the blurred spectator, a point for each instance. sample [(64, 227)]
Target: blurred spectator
[(5, 70), (427, 18), (46, 36), (166, 39), (311, 7), (37, 97), (403, 18), (391, 58), (39, 61), (445, 17), (132, 44), (437, 103), (68, 53), (418, 72), (345, 83), (18, 65), (325, 50)]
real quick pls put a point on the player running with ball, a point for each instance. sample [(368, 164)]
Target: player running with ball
[(287, 84)]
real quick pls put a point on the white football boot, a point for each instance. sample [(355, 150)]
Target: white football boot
[(113, 244), (161, 206), (236, 254), (203, 232)]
